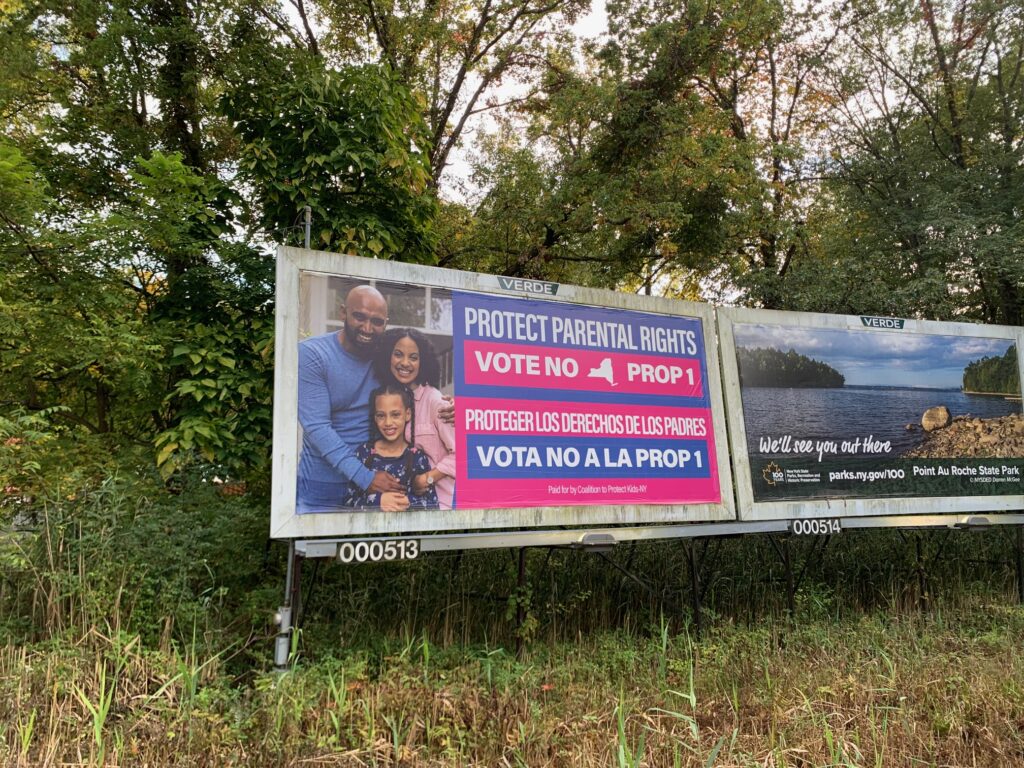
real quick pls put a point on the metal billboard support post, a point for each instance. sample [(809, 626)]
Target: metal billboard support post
[(926, 564), (786, 556), (624, 570), (695, 587), (922, 574), (787, 559), (814, 558), (784, 549), (296, 596), (923, 564), (520, 609), (287, 617)]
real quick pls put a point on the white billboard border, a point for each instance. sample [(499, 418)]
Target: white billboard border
[(285, 524), (849, 508)]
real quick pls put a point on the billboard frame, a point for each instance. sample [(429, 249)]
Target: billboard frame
[(605, 538), (888, 507), (286, 524)]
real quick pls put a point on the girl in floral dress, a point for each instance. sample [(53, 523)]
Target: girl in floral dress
[(391, 411)]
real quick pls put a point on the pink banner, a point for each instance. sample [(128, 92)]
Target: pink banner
[(563, 405)]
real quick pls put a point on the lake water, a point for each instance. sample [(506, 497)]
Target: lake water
[(852, 412)]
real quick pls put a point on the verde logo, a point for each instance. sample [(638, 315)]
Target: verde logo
[(883, 322), (528, 286)]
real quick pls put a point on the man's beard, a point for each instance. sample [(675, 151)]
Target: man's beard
[(362, 350)]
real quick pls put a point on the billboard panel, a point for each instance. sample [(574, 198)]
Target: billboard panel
[(842, 416), (572, 406)]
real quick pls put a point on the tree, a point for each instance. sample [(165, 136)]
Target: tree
[(455, 55), (928, 158), (140, 307), (772, 87), (74, 338), (643, 169), (994, 374), (349, 143)]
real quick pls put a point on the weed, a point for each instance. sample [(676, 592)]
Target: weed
[(165, 659), (99, 709), (628, 755), (26, 730)]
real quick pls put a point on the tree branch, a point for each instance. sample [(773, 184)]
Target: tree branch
[(300, 6), (380, 31)]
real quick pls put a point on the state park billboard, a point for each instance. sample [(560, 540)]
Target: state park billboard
[(571, 406), (834, 415)]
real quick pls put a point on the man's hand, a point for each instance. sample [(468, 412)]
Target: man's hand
[(384, 482), (447, 412), (420, 485), (394, 502)]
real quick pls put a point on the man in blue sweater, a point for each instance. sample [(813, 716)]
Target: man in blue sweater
[(335, 381)]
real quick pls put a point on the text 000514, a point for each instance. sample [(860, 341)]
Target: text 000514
[(820, 527)]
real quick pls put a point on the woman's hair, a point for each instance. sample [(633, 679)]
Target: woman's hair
[(430, 366), (407, 401)]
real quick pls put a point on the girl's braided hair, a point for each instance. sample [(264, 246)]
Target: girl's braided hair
[(407, 402)]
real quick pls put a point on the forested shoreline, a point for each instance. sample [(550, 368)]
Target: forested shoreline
[(770, 367), (994, 375)]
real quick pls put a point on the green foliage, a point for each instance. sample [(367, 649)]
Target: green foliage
[(455, 56), (30, 446), (73, 330), (929, 180), (759, 154), (349, 143), (651, 176), (21, 189), (222, 400), (151, 276), (994, 374), (135, 304), (209, 304), (567, 203), (770, 367), (102, 542)]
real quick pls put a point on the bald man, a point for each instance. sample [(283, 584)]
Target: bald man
[(335, 381)]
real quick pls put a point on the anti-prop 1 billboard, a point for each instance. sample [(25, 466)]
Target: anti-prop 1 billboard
[(571, 406), (835, 415)]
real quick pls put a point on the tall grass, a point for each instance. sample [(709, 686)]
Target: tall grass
[(873, 691), (136, 632)]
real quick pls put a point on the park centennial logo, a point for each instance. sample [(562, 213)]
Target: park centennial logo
[(772, 473)]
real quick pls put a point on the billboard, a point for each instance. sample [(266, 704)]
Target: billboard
[(570, 406), (846, 415)]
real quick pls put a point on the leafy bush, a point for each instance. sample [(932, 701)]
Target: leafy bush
[(98, 541)]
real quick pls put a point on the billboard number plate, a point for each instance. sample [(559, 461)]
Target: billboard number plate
[(820, 527), (378, 551)]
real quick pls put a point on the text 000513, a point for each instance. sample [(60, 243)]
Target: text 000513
[(378, 551)]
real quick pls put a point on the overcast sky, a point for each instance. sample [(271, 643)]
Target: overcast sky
[(879, 358)]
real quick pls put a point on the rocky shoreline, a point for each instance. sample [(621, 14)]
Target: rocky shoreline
[(969, 437)]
